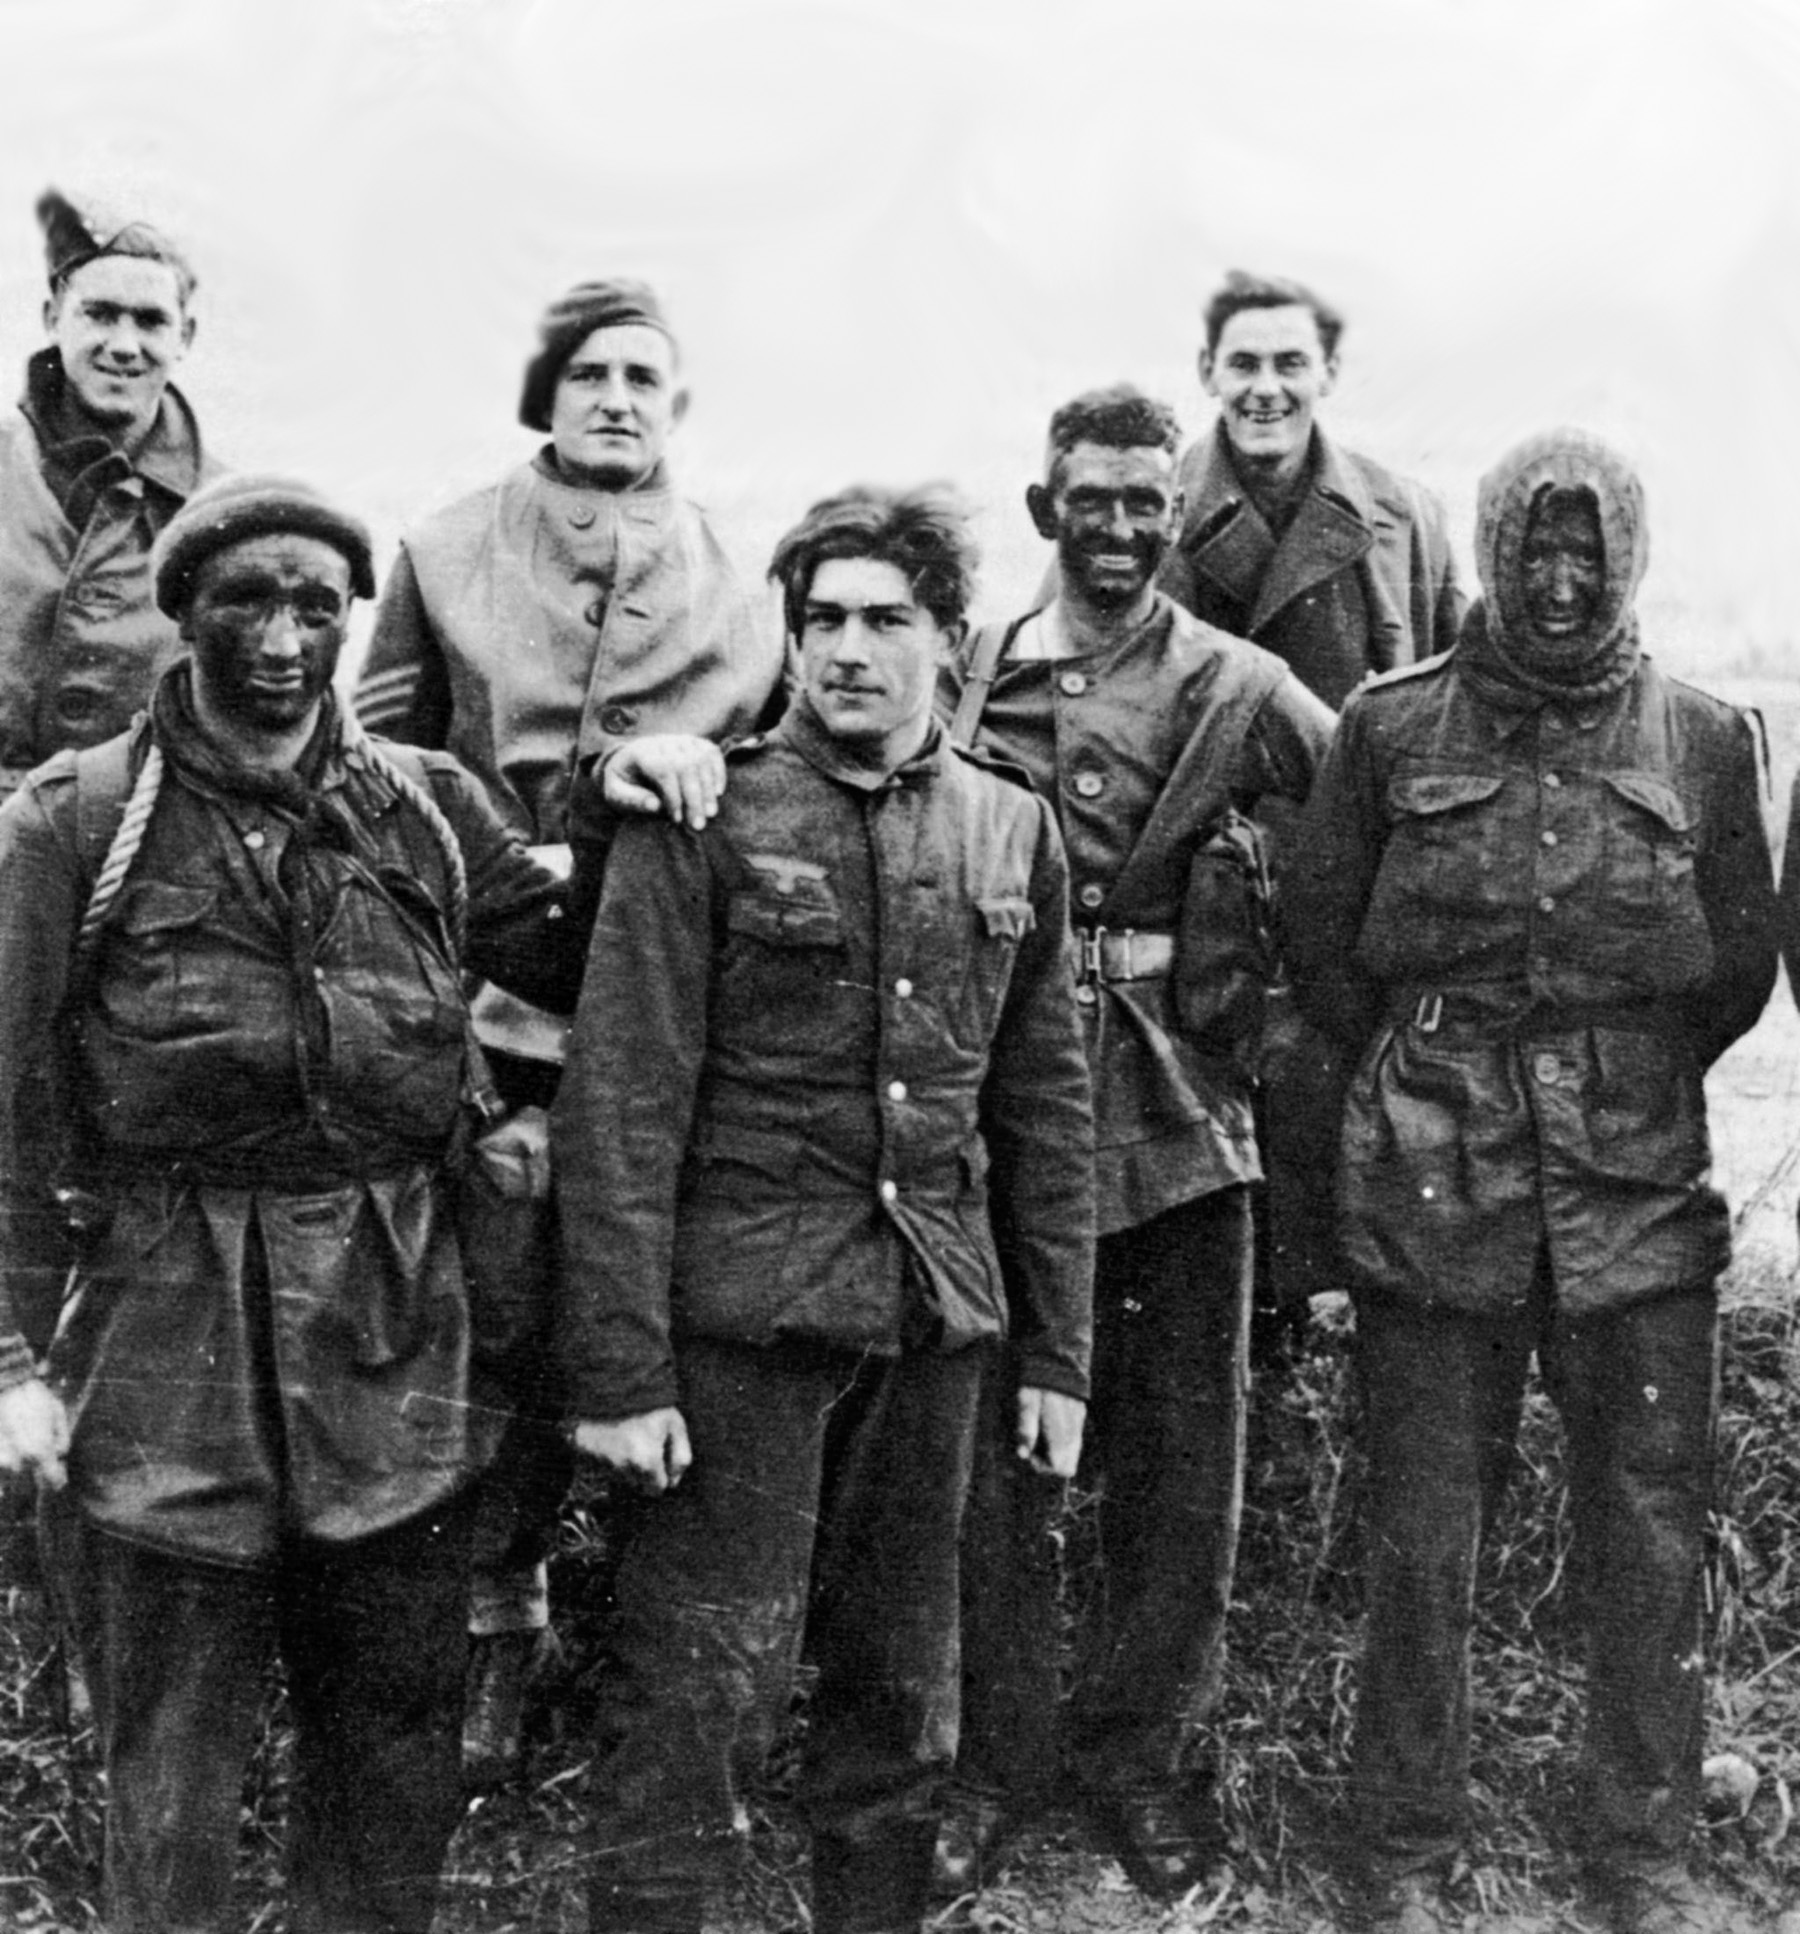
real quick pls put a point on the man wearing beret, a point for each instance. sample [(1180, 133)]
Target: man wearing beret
[(103, 452), (236, 1055), (577, 610)]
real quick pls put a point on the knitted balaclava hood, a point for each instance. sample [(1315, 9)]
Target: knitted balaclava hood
[(1509, 496)]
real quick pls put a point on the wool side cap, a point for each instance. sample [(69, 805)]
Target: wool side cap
[(237, 507)]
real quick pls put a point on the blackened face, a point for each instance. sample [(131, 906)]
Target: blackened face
[(1112, 515), (1562, 566), (265, 624)]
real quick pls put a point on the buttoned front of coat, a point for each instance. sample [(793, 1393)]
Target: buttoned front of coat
[(81, 639), (817, 1044), (1139, 749), (1360, 581), (1542, 925)]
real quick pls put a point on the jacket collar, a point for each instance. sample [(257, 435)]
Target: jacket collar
[(1226, 538), (800, 729), (80, 460)]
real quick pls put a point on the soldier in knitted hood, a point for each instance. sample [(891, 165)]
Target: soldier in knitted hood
[(1533, 893)]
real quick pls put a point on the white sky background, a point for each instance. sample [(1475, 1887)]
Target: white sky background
[(894, 236)]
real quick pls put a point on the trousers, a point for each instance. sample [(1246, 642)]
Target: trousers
[(816, 1472), (177, 1653), (1636, 1389), (1165, 1449)]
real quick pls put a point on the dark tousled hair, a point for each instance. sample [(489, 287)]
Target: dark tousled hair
[(924, 533), (1245, 291), (1121, 417)]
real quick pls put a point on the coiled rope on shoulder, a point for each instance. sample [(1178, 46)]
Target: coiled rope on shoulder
[(129, 837), (120, 853)]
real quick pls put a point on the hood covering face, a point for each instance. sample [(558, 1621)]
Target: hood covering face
[(1506, 644)]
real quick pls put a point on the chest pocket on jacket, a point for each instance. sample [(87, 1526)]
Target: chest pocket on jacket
[(1001, 922), (1449, 838), (1649, 845), (786, 964), (158, 977)]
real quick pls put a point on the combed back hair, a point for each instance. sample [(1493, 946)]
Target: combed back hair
[(145, 244), (1244, 291), (1121, 417), (923, 533)]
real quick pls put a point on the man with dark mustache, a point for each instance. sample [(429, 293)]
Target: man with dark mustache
[(578, 612), (1152, 734), (827, 1045), (103, 452), (1340, 568), (236, 1064)]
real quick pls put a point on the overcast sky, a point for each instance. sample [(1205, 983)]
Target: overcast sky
[(894, 236)]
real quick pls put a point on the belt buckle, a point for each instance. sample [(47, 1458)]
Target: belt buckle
[(1428, 1016), (1090, 964)]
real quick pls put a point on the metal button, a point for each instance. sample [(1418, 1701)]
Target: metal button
[(582, 517), (255, 841), (1548, 837), (617, 719), (1553, 779), (1547, 1068), (1091, 895), (890, 1191), (1086, 995), (1074, 683), (896, 1091), (903, 989), (1546, 905), (595, 613), (1089, 784), (1552, 722), (319, 973)]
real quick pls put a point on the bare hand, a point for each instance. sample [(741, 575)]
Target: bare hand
[(668, 772), (1049, 1432), (651, 1450), (34, 1431)]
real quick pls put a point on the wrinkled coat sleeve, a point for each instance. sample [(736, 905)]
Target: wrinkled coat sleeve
[(1283, 749), (1038, 1123), (622, 1120), (404, 690), (1734, 876), (520, 935), (40, 904), (1325, 890)]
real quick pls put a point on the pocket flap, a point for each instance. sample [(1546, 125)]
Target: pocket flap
[(1008, 919), (155, 906), (783, 922), (1655, 796), (1420, 794)]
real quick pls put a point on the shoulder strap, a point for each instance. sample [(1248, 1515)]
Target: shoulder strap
[(102, 786), (984, 662)]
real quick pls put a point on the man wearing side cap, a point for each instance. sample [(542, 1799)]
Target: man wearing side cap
[(237, 1065), (577, 610), (103, 452)]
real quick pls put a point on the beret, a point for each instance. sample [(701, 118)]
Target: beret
[(253, 506), (76, 234), (567, 324)]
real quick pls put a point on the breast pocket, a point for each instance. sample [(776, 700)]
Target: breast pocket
[(1650, 840), (786, 967), (999, 924), (1448, 843), (159, 976)]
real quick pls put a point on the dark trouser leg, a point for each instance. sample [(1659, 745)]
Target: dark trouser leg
[(373, 1637), (1637, 1392), (1442, 1393), (1166, 1430), (1011, 1638), (711, 1599), (175, 1653), (885, 1636)]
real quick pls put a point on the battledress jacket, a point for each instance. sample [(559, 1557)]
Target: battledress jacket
[(1360, 581), (81, 639), (1139, 750), (1539, 928), (256, 1080), (819, 1045)]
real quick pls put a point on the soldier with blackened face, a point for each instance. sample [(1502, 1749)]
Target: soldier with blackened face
[(1532, 897)]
